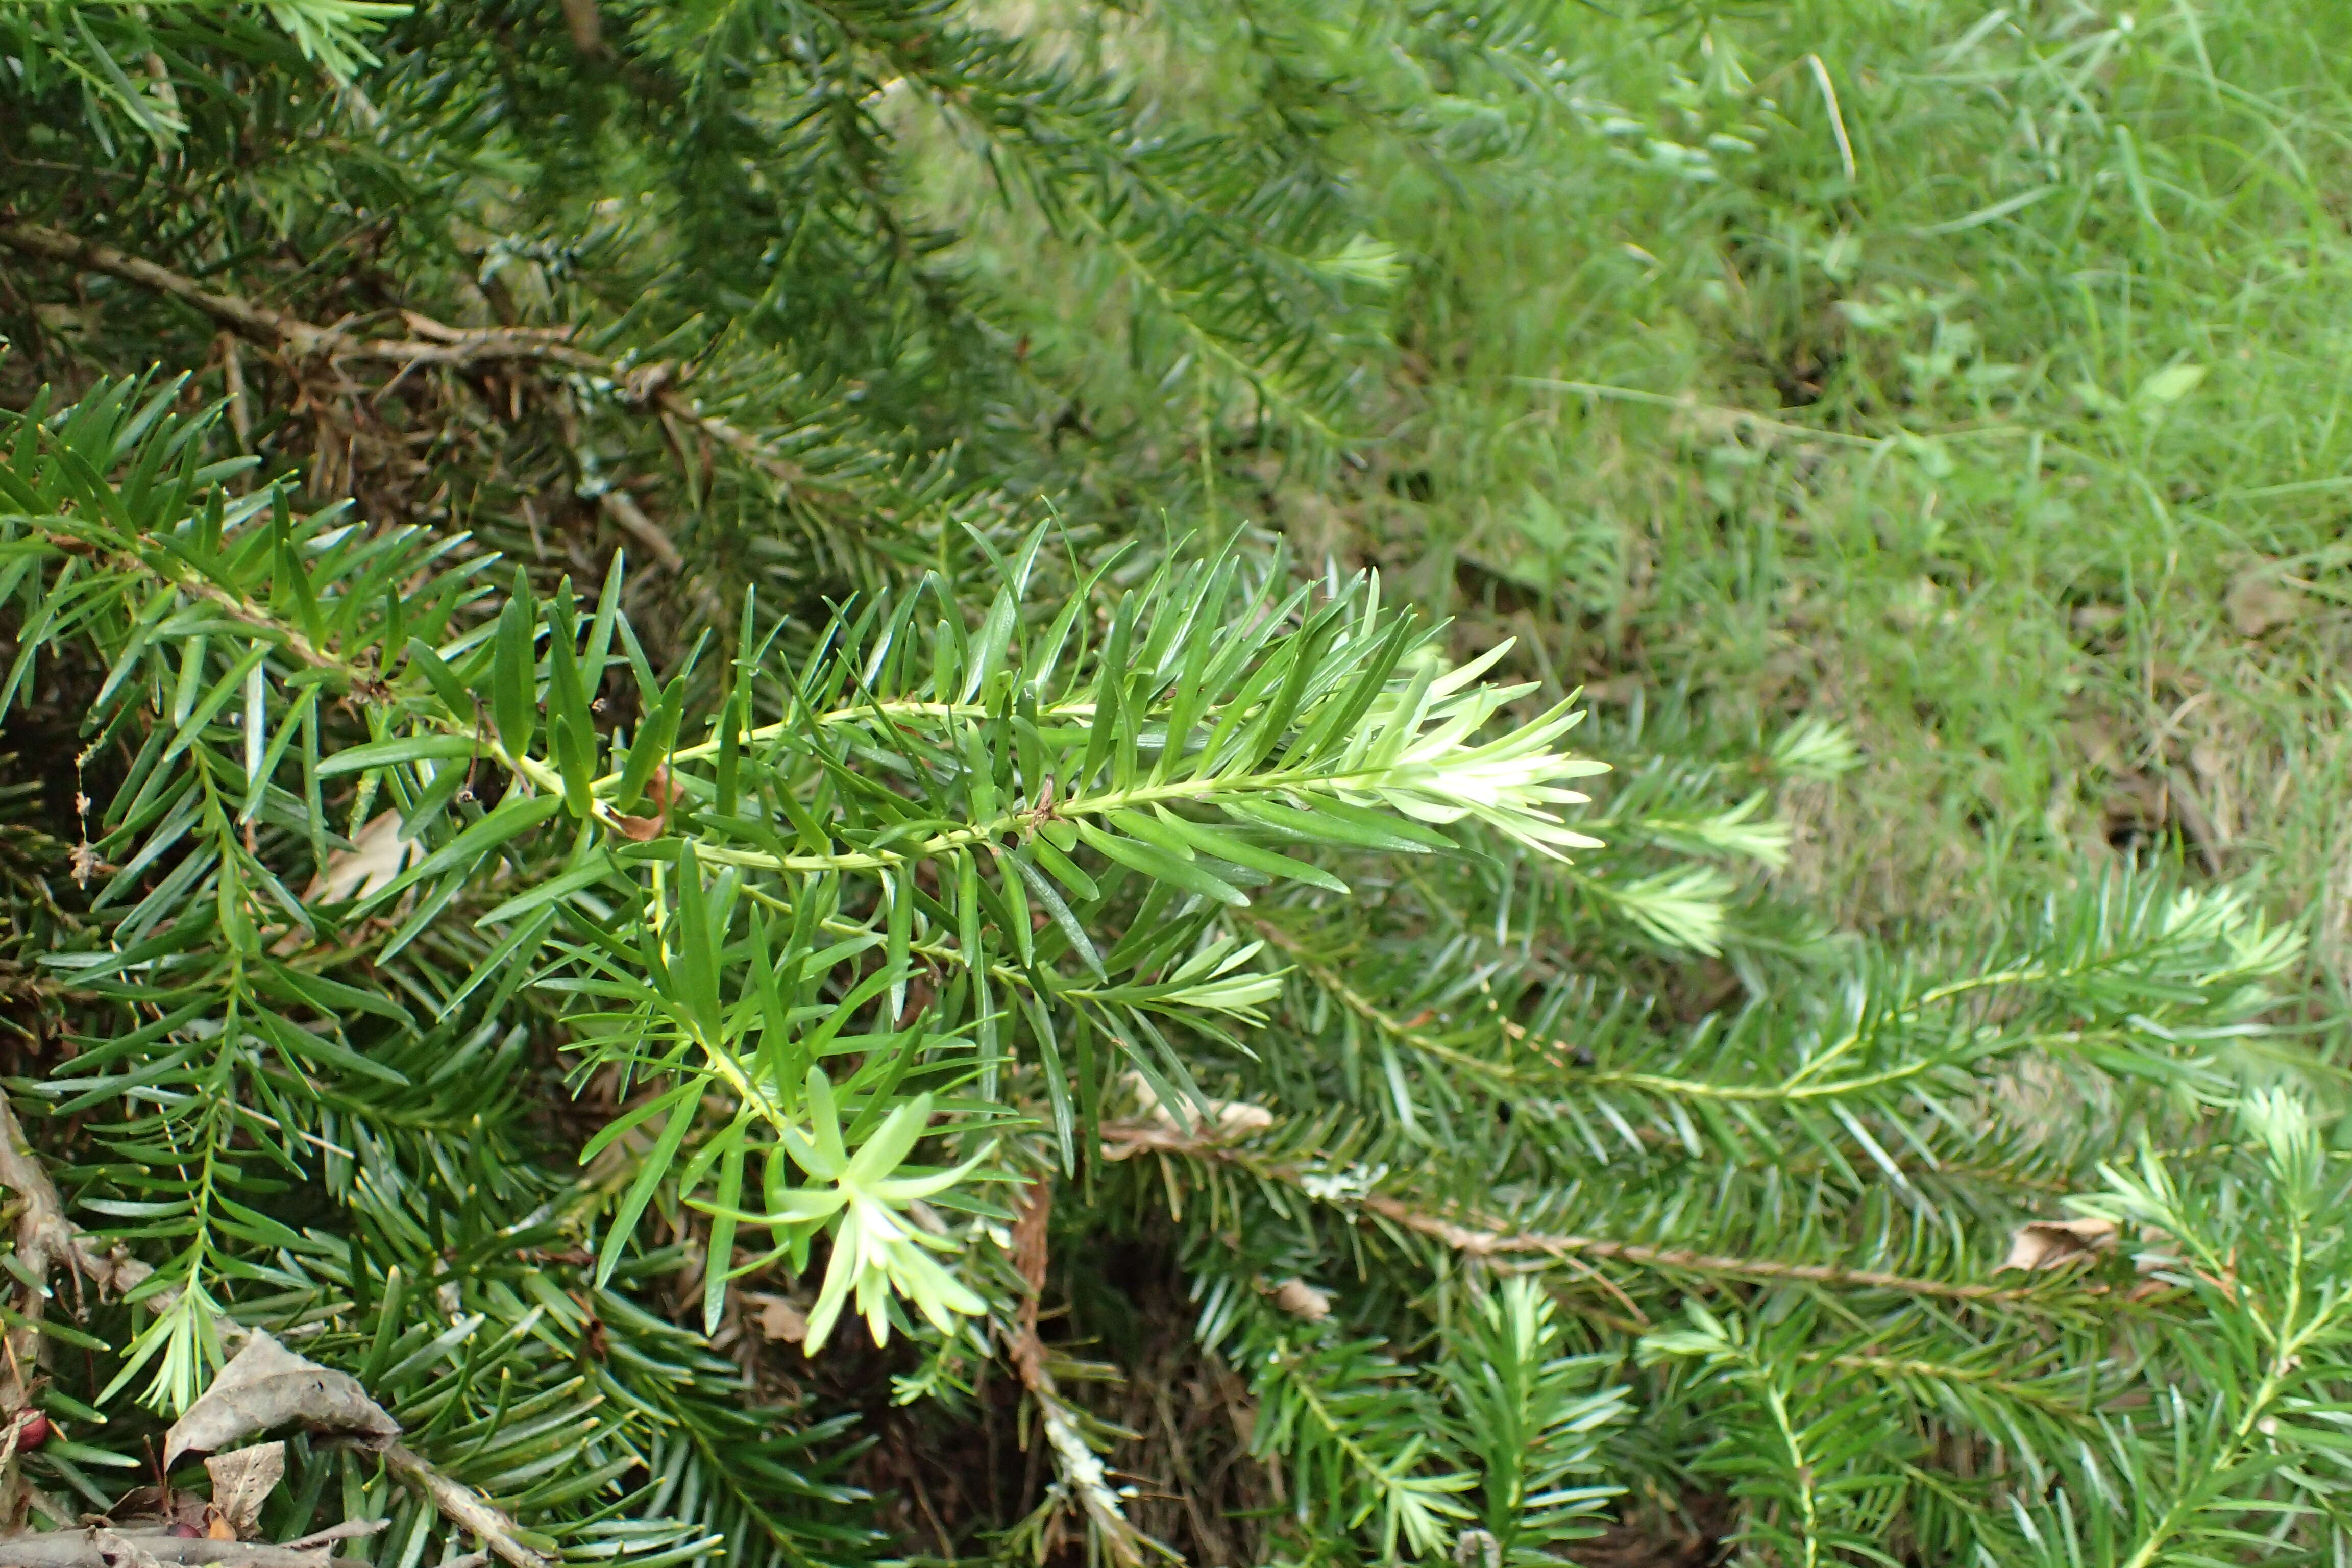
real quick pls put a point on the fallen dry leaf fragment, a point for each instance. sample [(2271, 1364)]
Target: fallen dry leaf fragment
[(2055, 1243), (780, 1318), (1303, 1300), (243, 1480), (118, 1548), (661, 790), (145, 1511), (267, 1385), (377, 855), (1235, 1117), (2257, 601)]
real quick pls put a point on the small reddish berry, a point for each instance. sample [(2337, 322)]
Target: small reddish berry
[(185, 1530), (32, 1429)]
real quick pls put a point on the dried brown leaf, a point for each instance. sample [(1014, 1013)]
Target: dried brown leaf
[(2099, 741), (267, 1385), (1234, 1118), (2096, 620), (377, 855), (2258, 602), (147, 1509), (2055, 1243), (243, 1480), (1303, 1300), (780, 1318)]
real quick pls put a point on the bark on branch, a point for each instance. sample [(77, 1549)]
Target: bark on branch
[(44, 1238), (112, 1549), (432, 343), (1080, 1468), (1480, 1235), (462, 1506), (258, 321)]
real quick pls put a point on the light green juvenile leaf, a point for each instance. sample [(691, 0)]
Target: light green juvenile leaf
[(1065, 871), (2168, 385), (571, 731), (514, 677), (685, 1103), (650, 747), (1335, 822), (890, 1144), (1058, 911), (1231, 846), (455, 697), (399, 750), (821, 1152), (1159, 865), (561, 887)]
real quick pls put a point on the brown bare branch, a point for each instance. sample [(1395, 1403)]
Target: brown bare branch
[(432, 343), (586, 25), (463, 1506), (1480, 1236), (44, 1238), (625, 512), (261, 323), (103, 1548), (1081, 1469)]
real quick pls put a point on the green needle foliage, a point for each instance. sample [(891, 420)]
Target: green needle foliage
[(613, 827)]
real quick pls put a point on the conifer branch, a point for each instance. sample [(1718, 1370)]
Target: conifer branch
[(465, 1508), (44, 1238), (1080, 1468), (263, 323), (44, 1235), (456, 348), (971, 831), (1479, 1236)]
